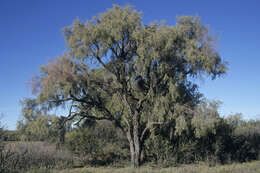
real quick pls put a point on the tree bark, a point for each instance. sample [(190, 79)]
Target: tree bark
[(137, 142), (133, 135), (131, 145), (135, 147)]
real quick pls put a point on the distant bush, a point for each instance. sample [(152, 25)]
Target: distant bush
[(10, 135), (246, 141)]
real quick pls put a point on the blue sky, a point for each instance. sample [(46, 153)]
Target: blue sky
[(30, 35)]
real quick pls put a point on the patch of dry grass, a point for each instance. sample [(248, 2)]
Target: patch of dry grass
[(28, 155), (252, 167)]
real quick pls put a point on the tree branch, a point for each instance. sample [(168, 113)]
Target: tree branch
[(149, 125)]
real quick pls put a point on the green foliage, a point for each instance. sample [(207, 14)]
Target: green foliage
[(101, 144), (35, 125), (206, 118), (136, 75), (208, 137), (246, 140), (159, 150), (151, 63), (10, 135)]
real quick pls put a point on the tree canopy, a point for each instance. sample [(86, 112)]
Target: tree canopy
[(133, 74)]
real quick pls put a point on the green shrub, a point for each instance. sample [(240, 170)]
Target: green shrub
[(100, 144)]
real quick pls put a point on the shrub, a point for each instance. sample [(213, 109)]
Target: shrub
[(100, 144)]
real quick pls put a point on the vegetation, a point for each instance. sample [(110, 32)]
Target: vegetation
[(225, 141), (252, 167), (135, 75), (36, 124), (101, 144), (131, 96), (28, 155)]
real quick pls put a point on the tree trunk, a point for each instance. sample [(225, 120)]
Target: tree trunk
[(131, 145), (135, 148), (133, 135), (135, 155)]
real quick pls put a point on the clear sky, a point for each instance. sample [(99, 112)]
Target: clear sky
[(30, 35)]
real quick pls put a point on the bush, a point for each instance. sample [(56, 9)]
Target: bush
[(100, 144), (226, 140)]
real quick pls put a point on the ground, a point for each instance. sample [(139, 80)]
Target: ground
[(250, 167)]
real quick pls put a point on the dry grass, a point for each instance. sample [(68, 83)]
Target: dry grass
[(38, 149), (252, 167), (41, 157), (28, 155)]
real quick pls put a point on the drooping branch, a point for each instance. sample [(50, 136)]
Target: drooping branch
[(147, 128)]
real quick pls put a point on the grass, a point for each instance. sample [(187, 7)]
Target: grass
[(22, 156), (251, 167)]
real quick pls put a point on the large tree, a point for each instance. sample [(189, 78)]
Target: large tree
[(133, 74)]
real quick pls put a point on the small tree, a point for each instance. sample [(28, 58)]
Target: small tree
[(133, 74), (36, 124)]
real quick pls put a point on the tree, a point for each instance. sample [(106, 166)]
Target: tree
[(36, 124), (136, 75)]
